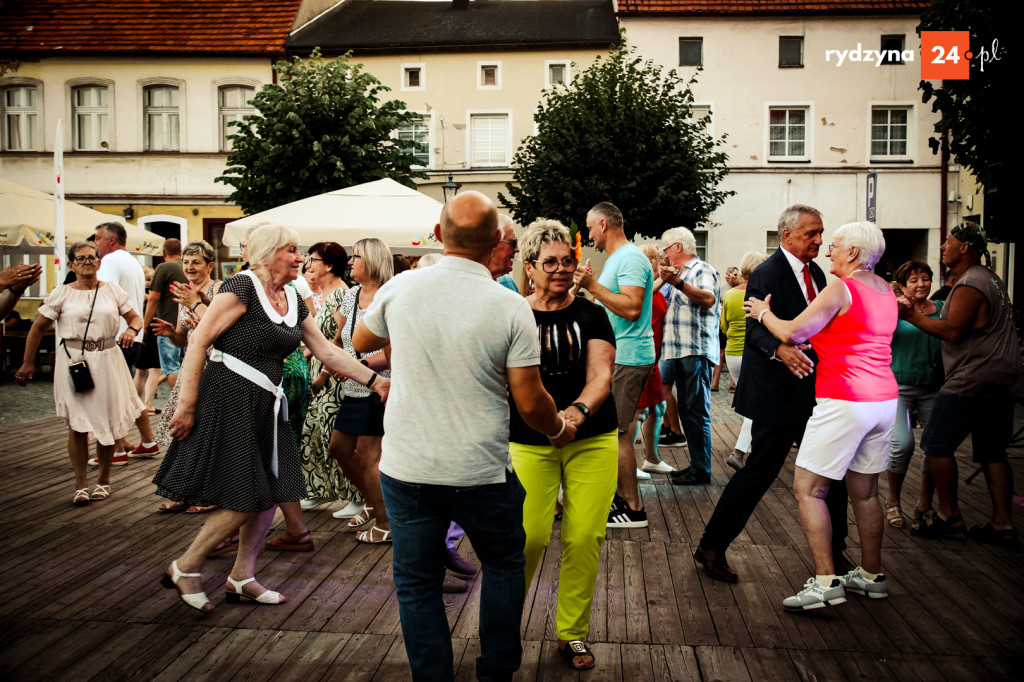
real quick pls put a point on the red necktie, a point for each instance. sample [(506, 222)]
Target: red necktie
[(809, 284)]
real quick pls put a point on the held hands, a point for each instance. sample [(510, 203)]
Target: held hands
[(24, 375), (794, 359), (903, 306), (755, 307), (583, 278), (567, 434), (185, 294), (669, 274)]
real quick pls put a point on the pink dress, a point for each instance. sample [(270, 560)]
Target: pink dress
[(109, 410)]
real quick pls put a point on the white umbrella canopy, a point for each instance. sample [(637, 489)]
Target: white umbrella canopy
[(401, 217), (27, 214)]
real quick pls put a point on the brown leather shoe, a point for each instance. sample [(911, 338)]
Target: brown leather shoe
[(715, 566), (290, 543)]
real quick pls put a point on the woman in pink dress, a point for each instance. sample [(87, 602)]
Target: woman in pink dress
[(850, 325), (86, 312)]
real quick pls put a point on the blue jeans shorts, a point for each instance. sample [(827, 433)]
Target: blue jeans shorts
[(170, 355)]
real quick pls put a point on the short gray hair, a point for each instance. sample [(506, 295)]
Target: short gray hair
[(201, 248), (681, 235), (540, 232), (866, 237), (749, 263), (264, 240), (609, 212), (504, 221), (428, 259), (791, 216)]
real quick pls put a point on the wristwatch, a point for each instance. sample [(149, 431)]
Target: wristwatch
[(582, 408)]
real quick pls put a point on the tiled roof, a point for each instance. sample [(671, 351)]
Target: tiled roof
[(365, 25), (145, 26), (768, 7)]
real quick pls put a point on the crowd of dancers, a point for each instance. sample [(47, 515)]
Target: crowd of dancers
[(448, 400)]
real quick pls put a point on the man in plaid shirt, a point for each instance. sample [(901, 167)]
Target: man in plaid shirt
[(691, 346)]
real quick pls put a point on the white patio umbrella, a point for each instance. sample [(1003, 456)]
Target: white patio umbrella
[(401, 217), (26, 223)]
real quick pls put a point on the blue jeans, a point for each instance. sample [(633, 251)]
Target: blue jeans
[(492, 516), (692, 376), (170, 355)]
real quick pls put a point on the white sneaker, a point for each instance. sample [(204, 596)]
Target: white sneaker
[(659, 468), (855, 582), (314, 502), (816, 596), (349, 510), (642, 475)]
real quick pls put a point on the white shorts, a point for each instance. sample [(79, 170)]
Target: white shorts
[(842, 435)]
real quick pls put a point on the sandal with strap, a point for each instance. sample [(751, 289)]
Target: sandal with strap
[(100, 493), (894, 515), (172, 507), (994, 536), (362, 518), (367, 536), (939, 528), (291, 543), (81, 497), (197, 600), (923, 516), (236, 593), (200, 509), (574, 650)]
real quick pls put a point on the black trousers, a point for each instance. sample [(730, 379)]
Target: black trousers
[(769, 447)]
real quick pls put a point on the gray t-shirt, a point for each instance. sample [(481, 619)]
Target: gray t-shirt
[(453, 334)]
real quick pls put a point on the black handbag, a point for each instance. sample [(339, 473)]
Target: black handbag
[(81, 378)]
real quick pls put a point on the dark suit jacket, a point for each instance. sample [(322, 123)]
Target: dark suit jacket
[(767, 390)]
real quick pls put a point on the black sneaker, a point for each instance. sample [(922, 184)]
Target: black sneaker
[(621, 516), (691, 477), (672, 439)]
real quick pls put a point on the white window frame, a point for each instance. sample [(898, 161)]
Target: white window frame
[(564, 63), (510, 149), (222, 111), (36, 143), (71, 136), (182, 223), (909, 108), (428, 120), (707, 243), (808, 132), (219, 131), (403, 71), (480, 74), (711, 109)]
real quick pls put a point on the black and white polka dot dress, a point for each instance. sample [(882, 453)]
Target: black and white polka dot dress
[(226, 458)]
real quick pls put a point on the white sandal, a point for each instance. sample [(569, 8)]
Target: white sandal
[(367, 536), (81, 497), (362, 518), (100, 493), (235, 596), (197, 600)]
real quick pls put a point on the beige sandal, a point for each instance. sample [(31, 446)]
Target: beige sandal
[(894, 515)]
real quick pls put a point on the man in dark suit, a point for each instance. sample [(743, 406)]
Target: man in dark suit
[(776, 391)]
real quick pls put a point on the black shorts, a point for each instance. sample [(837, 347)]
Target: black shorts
[(361, 416), (149, 358), (989, 421)]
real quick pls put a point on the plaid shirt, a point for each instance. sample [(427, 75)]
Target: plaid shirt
[(689, 328)]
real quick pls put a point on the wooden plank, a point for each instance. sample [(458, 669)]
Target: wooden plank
[(540, 623), (638, 627), (313, 656), (615, 593), (694, 611), (395, 666), (73, 646), (817, 666), (769, 664), (676, 663), (722, 663), (910, 667), (662, 609), (361, 658)]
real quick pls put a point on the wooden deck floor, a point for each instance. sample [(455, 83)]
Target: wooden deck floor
[(80, 598)]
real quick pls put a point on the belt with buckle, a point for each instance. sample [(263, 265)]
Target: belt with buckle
[(90, 344)]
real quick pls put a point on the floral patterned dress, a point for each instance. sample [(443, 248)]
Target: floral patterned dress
[(321, 471)]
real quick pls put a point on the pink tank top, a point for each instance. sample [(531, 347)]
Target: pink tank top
[(855, 349)]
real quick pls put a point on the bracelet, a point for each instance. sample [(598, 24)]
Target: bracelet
[(372, 379), (560, 431), (133, 329), (582, 407), (196, 306), (762, 315)]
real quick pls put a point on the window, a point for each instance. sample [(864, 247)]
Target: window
[(489, 140), (701, 237), (233, 104), (90, 111), (414, 76), (417, 132), (557, 73), (160, 118), (892, 49), (889, 132), (791, 51), (489, 76), (698, 112), (691, 52), (787, 134), (20, 118), (771, 242)]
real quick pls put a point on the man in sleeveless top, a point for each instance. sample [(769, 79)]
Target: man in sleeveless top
[(459, 345), (981, 358), (776, 391)]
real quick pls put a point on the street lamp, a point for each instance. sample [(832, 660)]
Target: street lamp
[(449, 186)]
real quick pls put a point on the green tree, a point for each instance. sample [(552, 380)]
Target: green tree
[(321, 128), (976, 113), (621, 131)]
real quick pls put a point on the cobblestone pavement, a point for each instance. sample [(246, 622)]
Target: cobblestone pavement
[(19, 404)]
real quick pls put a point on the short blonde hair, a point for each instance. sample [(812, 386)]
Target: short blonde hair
[(427, 260), (263, 241), (201, 248), (540, 232), (377, 259), (654, 253), (749, 263)]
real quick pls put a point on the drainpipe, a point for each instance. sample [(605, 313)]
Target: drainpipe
[(943, 188)]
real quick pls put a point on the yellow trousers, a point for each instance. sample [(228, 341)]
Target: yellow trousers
[(587, 471)]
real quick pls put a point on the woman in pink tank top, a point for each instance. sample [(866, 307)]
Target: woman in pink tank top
[(850, 325)]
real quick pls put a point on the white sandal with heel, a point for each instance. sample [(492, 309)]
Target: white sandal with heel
[(235, 596), (197, 600)]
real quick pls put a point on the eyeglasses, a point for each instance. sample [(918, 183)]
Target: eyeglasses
[(831, 247), (669, 246), (242, 245), (551, 264), (354, 255), (514, 242), (311, 259), (86, 259)]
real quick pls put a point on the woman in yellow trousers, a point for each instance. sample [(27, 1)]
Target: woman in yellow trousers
[(577, 354)]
